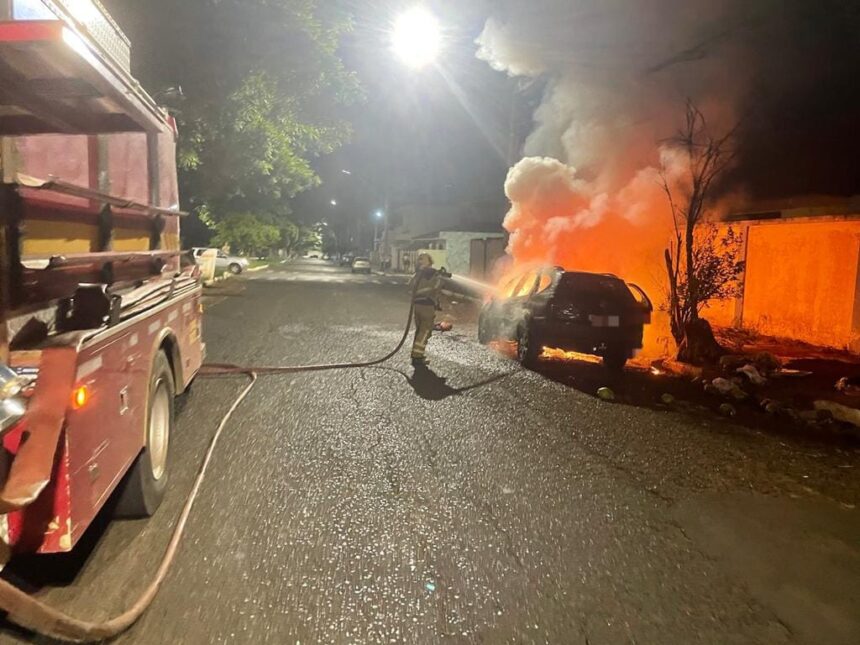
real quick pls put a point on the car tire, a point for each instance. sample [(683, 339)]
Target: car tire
[(614, 359), (485, 334), (235, 269), (146, 483), (529, 347)]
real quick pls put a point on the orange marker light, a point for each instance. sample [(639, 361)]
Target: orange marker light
[(80, 397)]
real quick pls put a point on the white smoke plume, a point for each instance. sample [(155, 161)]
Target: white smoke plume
[(616, 77), (618, 73)]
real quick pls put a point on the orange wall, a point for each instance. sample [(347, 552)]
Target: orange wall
[(801, 281)]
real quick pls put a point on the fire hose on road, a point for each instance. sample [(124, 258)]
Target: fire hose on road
[(33, 614)]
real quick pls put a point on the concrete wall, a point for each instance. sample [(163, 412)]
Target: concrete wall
[(801, 282), (459, 247)]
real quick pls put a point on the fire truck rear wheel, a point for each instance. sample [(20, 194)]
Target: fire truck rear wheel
[(146, 482)]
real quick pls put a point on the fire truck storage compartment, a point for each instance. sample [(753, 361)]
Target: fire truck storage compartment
[(64, 68)]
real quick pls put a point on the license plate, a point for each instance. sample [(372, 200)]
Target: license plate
[(605, 321)]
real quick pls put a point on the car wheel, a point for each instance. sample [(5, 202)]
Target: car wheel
[(485, 334), (614, 359), (529, 347), (235, 269)]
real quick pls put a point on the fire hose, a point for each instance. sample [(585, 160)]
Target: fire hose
[(31, 613)]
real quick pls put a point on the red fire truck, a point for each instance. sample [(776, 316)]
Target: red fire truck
[(100, 314)]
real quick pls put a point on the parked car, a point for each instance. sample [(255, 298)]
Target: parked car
[(232, 263), (361, 265), (591, 313)]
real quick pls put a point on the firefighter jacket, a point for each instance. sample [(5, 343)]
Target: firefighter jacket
[(427, 284)]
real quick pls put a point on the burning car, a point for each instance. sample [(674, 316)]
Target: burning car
[(590, 313)]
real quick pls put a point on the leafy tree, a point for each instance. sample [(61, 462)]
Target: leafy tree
[(245, 233), (297, 239), (263, 88), (702, 263)]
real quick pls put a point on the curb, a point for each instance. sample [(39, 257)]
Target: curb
[(260, 268)]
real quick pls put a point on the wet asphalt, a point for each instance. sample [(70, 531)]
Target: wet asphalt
[(475, 502)]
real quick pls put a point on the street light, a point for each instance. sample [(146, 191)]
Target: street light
[(377, 242), (416, 37), (333, 202)]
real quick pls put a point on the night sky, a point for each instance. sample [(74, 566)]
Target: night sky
[(449, 133)]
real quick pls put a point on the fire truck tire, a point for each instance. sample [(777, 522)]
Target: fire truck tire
[(146, 482)]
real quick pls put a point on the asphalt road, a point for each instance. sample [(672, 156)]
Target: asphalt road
[(476, 503)]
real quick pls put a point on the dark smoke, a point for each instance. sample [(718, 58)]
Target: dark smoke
[(788, 71)]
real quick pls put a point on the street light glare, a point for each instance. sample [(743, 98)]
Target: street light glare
[(379, 214), (416, 37), (333, 202)]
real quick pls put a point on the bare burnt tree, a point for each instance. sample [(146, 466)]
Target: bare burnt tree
[(703, 262)]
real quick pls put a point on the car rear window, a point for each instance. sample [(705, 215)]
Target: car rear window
[(592, 289)]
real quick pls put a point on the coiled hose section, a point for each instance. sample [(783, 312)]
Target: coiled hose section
[(33, 614)]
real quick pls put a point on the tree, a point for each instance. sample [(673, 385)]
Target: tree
[(263, 90), (246, 234), (702, 263)]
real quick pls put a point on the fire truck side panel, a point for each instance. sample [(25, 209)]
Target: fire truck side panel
[(68, 157), (126, 175), (107, 435), (103, 437)]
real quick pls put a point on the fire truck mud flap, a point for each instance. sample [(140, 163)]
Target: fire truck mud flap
[(33, 466)]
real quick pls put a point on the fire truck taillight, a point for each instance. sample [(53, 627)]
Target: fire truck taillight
[(80, 397)]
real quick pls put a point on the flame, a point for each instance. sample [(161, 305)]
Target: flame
[(560, 355), (558, 218)]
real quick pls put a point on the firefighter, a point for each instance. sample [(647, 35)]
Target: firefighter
[(426, 285)]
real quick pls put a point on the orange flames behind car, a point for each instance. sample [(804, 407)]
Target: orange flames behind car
[(561, 355)]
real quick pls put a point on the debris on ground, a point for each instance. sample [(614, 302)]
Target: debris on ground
[(727, 410), (849, 386), (443, 326), (764, 363), (770, 406), (840, 412), (676, 367), (787, 373), (751, 372), (605, 394), (667, 399), (723, 385)]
